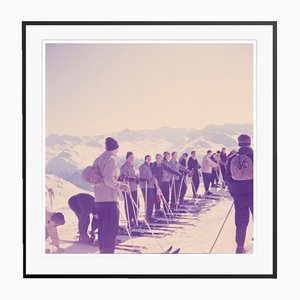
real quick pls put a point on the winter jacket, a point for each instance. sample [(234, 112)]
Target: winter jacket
[(177, 167), (146, 176), (51, 229), (240, 187), (223, 157), (127, 173), (106, 190), (193, 165), (208, 164), (168, 171), (183, 162)]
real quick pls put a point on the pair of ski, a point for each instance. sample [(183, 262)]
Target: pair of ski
[(137, 249), (140, 231)]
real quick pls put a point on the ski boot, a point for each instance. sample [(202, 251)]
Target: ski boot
[(240, 250), (84, 238)]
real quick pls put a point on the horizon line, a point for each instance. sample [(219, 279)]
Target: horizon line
[(145, 129)]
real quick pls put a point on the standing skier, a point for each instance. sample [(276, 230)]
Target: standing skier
[(223, 159), (207, 165), (83, 205), (183, 162), (240, 178), (215, 174), (194, 166), (166, 178), (106, 196), (177, 167), (158, 168), (127, 175), (147, 186)]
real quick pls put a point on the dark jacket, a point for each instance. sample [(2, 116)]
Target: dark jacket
[(158, 170), (193, 164), (240, 187), (223, 157), (182, 160)]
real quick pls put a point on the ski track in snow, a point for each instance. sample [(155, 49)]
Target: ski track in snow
[(195, 238)]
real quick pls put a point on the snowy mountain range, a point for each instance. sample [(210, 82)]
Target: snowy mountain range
[(67, 155)]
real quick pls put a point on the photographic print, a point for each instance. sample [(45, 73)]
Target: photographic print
[(151, 145)]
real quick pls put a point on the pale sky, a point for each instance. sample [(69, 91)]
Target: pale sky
[(104, 88)]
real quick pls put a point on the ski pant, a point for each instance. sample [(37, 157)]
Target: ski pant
[(82, 205), (165, 188), (108, 225), (131, 210), (174, 192), (182, 191), (196, 183), (206, 180), (156, 200), (214, 177), (150, 201), (242, 204)]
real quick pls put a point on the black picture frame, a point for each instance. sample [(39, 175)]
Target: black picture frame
[(273, 24)]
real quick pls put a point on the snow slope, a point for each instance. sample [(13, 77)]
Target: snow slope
[(195, 237)]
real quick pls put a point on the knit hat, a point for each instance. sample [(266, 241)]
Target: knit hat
[(244, 140), (111, 144), (128, 154)]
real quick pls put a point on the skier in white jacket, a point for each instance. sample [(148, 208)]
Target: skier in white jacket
[(207, 165)]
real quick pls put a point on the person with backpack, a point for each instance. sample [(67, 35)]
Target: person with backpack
[(177, 179), (54, 219), (127, 175), (239, 173), (147, 186), (194, 166), (207, 165), (83, 205), (106, 196)]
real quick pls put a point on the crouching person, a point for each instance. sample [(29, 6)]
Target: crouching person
[(54, 219), (83, 205), (106, 197)]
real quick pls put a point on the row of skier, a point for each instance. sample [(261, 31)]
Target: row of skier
[(163, 185)]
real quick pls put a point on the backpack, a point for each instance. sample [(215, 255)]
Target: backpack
[(241, 167), (91, 174)]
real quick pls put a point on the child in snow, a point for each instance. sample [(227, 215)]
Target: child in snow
[(54, 219)]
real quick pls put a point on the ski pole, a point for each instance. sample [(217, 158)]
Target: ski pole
[(194, 189), (126, 226), (179, 192), (134, 210), (127, 209), (162, 197), (151, 231), (212, 247), (146, 198), (165, 202)]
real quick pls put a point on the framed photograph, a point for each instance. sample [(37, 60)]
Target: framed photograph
[(149, 149)]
